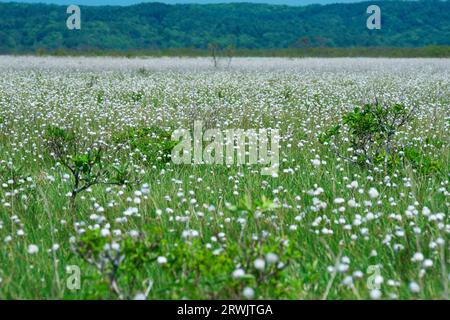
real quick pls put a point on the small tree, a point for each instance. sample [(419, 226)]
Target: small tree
[(371, 131), (214, 50), (229, 52), (217, 53), (87, 162)]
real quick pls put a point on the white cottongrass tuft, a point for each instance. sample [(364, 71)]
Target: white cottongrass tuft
[(161, 260), (33, 249), (414, 287), (238, 273), (248, 293), (259, 264), (373, 193)]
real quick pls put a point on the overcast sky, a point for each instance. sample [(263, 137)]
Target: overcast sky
[(128, 2)]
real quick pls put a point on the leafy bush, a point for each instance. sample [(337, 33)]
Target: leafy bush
[(371, 132), (118, 260), (87, 162), (153, 145), (422, 162)]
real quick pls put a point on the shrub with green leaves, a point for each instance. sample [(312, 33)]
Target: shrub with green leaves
[(368, 133), (88, 162), (119, 260), (420, 161), (152, 145)]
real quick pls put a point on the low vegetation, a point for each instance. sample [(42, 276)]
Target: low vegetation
[(358, 209)]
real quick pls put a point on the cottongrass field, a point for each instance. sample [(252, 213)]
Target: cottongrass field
[(91, 207)]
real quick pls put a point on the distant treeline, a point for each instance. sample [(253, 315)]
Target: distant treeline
[(159, 29), (430, 51)]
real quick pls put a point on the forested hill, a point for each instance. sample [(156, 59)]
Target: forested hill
[(30, 27)]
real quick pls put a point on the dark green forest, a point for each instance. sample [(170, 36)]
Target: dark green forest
[(156, 26)]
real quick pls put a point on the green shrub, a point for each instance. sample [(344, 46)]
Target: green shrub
[(153, 145), (118, 260), (371, 133), (87, 162)]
